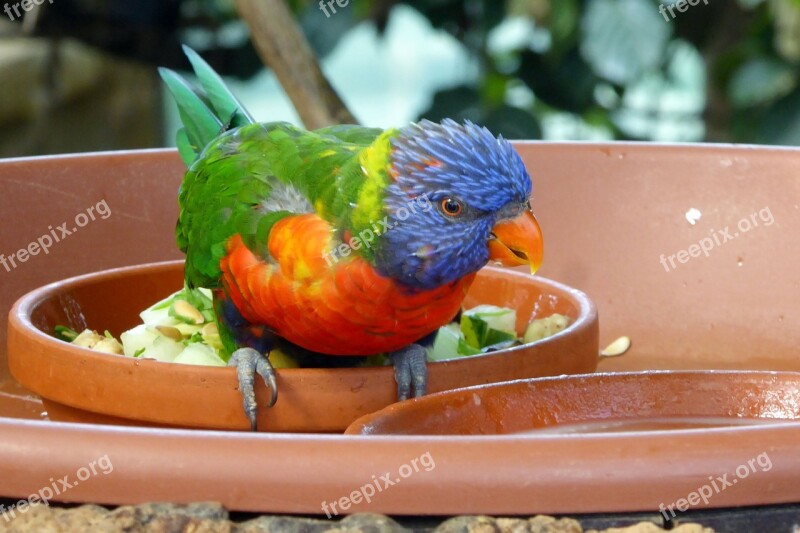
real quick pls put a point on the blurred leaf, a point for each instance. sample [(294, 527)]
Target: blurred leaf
[(666, 105), (563, 22), (566, 83), (781, 122), (623, 38), (787, 28), (324, 32), (515, 34), (463, 103), (492, 13), (761, 81), (457, 103), (580, 69), (494, 89), (512, 123), (538, 10), (750, 4)]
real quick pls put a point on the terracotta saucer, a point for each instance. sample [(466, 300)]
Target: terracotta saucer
[(596, 403), (80, 385), (609, 210)]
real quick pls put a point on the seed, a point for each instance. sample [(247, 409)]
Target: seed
[(170, 332), (618, 347), (87, 339), (187, 311), (107, 345), (210, 329)]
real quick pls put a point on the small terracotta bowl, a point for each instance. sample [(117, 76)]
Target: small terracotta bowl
[(596, 403), (77, 384)]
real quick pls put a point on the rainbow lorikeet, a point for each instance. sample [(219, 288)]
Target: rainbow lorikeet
[(345, 240)]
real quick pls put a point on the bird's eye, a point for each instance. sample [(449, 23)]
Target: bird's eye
[(452, 207)]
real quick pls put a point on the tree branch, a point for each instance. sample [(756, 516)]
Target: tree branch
[(283, 47)]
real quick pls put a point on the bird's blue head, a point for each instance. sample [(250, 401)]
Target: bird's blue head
[(459, 197)]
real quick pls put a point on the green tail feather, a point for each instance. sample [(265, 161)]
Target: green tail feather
[(206, 111), (224, 102)]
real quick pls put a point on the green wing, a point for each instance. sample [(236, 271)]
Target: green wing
[(244, 176), (251, 177)]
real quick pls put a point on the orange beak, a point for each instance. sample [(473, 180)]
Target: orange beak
[(518, 242)]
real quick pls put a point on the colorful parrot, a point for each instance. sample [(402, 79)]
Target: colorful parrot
[(346, 240)]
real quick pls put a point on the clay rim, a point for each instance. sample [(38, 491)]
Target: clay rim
[(161, 432), (356, 429), (22, 310)]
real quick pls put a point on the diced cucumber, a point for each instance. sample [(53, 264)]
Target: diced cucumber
[(482, 327), (499, 318), (478, 333), (496, 336), (140, 337), (164, 349), (159, 316), (445, 345), (198, 353), (147, 342), (464, 348)]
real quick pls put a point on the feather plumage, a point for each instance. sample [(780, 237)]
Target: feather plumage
[(266, 206)]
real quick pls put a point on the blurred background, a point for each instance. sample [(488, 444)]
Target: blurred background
[(79, 75)]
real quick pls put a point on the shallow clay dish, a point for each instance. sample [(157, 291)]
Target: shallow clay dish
[(73, 380), (609, 210), (596, 403)]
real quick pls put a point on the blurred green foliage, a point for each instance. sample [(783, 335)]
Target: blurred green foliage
[(623, 69), (719, 70)]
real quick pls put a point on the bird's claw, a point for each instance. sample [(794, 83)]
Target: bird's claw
[(248, 363), (410, 368)]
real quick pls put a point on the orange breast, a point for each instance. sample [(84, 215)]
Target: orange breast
[(336, 306)]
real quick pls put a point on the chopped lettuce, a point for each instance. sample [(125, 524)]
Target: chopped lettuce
[(198, 353), (181, 328), (497, 318), (148, 342), (449, 343), (482, 329), (487, 328)]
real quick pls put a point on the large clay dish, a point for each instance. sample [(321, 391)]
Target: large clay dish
[(310, 399), (626, 401), (506, 474), (608, 211)]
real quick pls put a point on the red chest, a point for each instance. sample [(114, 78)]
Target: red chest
[(345, 308)]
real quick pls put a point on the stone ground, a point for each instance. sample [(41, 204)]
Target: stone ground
[(211, 517)]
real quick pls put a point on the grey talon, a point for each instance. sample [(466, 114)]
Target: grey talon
[(410, 371), (248, 363)]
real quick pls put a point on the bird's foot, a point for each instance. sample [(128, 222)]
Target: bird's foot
[(410, 369), (248, 363)]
